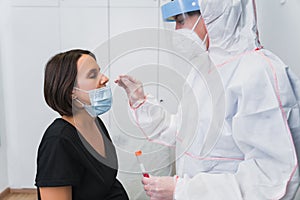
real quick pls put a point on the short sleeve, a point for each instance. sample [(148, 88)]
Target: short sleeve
[(56, 165)]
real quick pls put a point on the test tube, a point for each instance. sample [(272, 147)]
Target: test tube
[(137, 154)]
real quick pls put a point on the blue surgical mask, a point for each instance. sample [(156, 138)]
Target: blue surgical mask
[(101, 100)]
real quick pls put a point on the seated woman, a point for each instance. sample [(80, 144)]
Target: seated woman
[(76, 158)]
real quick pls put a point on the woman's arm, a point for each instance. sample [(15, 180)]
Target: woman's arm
[(57, 193)]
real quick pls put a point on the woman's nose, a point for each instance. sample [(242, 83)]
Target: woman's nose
[(103, 79)]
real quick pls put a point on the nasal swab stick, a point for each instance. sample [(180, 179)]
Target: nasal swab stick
[(137, 154)]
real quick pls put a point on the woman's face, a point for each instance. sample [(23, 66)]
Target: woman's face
[(89, 77)]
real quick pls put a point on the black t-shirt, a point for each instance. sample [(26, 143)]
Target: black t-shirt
[(65, 158)]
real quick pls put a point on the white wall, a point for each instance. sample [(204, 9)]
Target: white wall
[(279, 29), (31, 38), (3, 147)]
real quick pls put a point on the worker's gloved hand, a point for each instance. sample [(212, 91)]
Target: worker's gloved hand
[(160, 188), (133, 88)]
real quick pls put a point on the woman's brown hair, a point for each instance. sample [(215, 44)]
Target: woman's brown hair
[(60, 78)]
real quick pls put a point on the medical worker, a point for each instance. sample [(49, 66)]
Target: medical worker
[(254, 157)]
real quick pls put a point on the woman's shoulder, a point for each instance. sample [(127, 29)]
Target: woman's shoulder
[(60, 132), (60, 136), (59, 128)]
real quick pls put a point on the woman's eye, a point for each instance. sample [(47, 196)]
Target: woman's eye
[(93, 75)]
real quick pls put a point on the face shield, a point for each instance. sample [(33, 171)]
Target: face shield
[(179, 14), (177, 7)]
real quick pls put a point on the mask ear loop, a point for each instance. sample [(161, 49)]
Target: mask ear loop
[(196, 22), (76, 99), (204, 40), (76, 88), (80, 102)]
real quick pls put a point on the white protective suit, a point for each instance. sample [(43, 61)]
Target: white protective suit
[(254, 158)]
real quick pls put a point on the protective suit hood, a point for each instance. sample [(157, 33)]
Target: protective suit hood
[(231, 24)]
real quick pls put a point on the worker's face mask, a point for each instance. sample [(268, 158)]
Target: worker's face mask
[(187, 43), (101, 100)]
